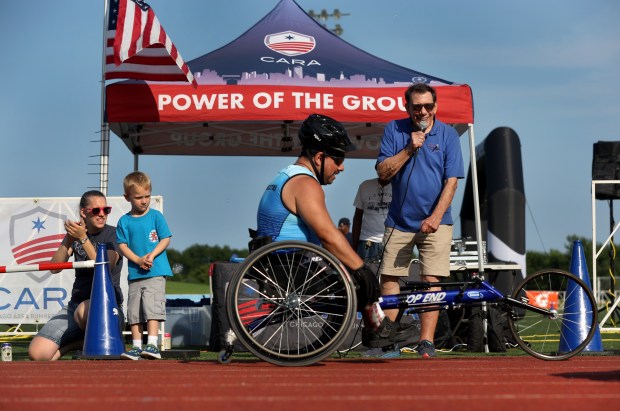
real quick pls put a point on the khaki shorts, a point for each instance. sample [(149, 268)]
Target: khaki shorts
[(146, 300), (434, 250)]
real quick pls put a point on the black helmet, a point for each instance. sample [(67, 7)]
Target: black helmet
[(322, 133)]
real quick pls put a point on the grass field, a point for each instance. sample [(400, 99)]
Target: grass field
[(177, 287)]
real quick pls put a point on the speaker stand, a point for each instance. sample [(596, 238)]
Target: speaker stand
[(612, 312), (612, 248)]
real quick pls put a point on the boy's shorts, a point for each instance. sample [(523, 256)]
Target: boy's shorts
[(434, 250), (62, 328), (146, 300)]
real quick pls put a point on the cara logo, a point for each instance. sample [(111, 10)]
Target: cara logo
[(34, 237), (290, 43)]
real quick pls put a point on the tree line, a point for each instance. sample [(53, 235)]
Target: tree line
[(193, 263), (561, 259)]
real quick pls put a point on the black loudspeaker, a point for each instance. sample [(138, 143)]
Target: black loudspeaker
[(606, 166)]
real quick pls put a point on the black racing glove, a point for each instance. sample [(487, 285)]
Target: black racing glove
[(368, 288)]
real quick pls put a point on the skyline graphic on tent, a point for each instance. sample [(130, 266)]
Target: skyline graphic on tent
[(254, 92)]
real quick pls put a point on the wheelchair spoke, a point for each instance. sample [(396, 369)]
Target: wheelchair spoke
[(567, 321), (291, 303)]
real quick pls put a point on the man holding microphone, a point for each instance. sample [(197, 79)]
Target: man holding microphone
[(421, 156)]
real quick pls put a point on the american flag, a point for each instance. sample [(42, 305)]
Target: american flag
[(138, 47)]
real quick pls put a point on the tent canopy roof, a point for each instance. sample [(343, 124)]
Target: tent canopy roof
[(253, 93)]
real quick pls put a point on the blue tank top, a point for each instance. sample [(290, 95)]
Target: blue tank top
[(277, 221)]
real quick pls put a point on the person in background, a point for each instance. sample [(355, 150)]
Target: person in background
[(421, 156), (344, 226), (371, 206), (143, 236), (64, 332)]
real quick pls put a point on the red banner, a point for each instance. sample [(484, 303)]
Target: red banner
[(181, 103)]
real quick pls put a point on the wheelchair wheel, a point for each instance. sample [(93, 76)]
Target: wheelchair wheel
[(568, 323), (291, 303)]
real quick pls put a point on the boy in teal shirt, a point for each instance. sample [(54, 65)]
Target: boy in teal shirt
[(143, 236)]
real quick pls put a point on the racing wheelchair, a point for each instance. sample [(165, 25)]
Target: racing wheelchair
[(292, 303)]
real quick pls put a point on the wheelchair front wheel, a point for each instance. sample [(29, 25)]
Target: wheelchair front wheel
[(568, 323), (291, 303)]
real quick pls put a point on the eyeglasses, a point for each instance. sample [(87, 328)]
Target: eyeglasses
[(337, 160), (418, 107), (97, 210)]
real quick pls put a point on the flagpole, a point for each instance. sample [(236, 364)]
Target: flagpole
[(104, 149)]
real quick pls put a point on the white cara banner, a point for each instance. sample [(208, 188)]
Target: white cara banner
[(31, 229)]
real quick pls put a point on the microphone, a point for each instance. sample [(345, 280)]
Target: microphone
[(423, 124)]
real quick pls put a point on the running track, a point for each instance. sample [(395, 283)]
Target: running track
[(585, 383)]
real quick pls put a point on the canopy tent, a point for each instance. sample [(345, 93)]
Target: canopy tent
[(253, 93)]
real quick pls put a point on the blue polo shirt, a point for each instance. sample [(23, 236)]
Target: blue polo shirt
[(417, 186)]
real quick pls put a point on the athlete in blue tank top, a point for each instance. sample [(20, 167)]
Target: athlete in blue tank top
[(275, 220), (293, 208)]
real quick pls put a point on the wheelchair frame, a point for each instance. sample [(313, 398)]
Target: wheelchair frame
[(292, 303)]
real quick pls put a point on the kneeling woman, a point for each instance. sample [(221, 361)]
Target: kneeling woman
[(65, 331)]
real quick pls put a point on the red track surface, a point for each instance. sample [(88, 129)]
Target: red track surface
[(474, 383)]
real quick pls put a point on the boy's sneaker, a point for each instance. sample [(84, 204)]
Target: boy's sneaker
[(133, 354), (426, 349), (387, 334), (150, 352)]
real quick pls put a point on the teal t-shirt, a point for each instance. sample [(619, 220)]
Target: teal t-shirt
[(142, 234)]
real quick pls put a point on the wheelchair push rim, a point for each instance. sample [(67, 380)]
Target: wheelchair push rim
[(291, 303)]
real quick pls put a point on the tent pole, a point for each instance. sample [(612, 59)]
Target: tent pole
[(474, 180), (104, 149), (135, 162)]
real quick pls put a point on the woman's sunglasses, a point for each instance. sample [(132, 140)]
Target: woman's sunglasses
[(97, 210)]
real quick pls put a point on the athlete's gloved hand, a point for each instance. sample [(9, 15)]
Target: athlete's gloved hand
[(367, 284)]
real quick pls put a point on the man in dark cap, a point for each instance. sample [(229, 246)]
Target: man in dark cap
[(344, 225)]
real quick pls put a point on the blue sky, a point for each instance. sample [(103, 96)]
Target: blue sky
[(547, 69)]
